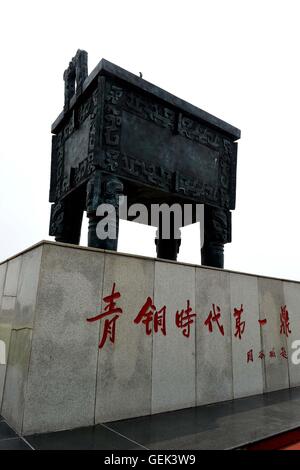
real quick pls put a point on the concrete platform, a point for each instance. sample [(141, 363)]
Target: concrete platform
[(55, 376), (229, 425)]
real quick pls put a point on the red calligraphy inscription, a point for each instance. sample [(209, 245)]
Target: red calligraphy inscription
[(284, 321), (283, 353), (272, 353), (150, 315), (109, 328), (250, 356), (261, 355), (184, 319), (239, 325), (214, 316)]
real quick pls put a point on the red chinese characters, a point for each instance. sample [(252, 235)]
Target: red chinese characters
[(284, 321), (250, 356), (214, 316), (272, 353), (109, 328), (261, 355), (184, 319), (239, 325), (283, 353), (155, 320), (149, 315)]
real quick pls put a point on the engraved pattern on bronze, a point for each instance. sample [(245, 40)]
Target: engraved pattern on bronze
[(57, 219), (119, 133), (154, 112), (193, 130)]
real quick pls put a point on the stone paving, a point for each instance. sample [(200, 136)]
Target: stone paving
[(227, 425)]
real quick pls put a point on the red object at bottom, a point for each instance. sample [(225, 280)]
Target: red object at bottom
[(293, 447), (285, 441)]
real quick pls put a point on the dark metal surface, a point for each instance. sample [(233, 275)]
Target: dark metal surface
[(156, 147)]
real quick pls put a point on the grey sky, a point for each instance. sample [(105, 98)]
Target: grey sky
[(236, 59)]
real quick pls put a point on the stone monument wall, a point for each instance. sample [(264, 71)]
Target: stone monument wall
[(171, 336)]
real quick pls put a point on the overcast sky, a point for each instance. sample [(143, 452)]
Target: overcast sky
[(238, 60)]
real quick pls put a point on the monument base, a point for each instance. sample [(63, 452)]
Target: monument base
[(93, 336)]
